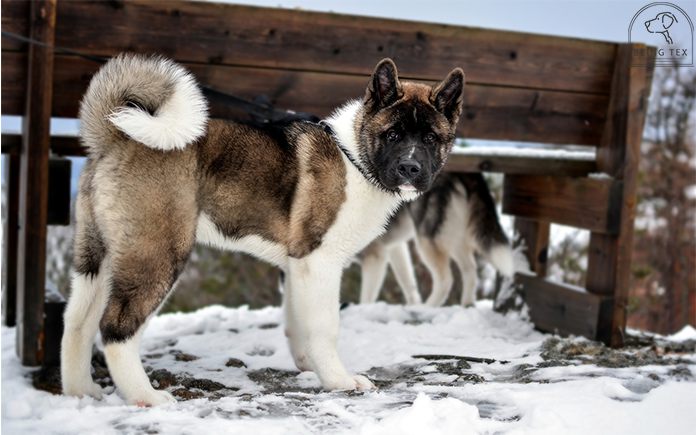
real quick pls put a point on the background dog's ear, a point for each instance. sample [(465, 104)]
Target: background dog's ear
[(448, 96), (384, 88)]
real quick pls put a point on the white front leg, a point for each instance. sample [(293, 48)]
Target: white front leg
[(311, 307)]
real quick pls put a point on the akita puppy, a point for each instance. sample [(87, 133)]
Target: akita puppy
[(454, 220), (306, 197)]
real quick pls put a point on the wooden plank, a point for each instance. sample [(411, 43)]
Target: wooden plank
[(536, 238), (519, 165), (202, 32), (561, 308), (70, 146), (590, 203), (496, 113), (31, 257), (59, 177), (60, 145), (609, 259), (9, 294)]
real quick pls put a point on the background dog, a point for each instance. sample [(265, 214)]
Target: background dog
[(306, 197), (454, 220)]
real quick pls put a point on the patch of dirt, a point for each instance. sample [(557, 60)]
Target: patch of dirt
[(183, 356), (184, 394), (235, 362), (278, 381), (562, 351)]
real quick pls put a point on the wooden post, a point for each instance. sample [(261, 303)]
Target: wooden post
[(536, 238), (33, 197), (609, 259), (9, 303)]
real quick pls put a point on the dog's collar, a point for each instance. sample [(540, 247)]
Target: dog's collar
[(327, 128)]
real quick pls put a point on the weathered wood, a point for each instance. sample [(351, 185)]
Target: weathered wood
[(301, 40), (518, 164), (609, 260), (536, 238), (9, 263), (562, 308), (54, 327), (497, 113), (590, 203), (70, 146), (59, 177), (60, 145), (33, 198)]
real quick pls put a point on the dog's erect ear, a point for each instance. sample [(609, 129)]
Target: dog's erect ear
[(448, 96), (384, 88)]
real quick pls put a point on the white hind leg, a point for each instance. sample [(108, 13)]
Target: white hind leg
[(82, 315), (437, 260), (127, 372), (373, 271), (402, 265), (467, 267)]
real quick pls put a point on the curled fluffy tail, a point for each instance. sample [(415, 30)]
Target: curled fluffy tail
[(151, 99)]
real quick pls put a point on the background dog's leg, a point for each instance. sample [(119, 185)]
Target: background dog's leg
[(85, 308), (313, 317), (402, 265), (373, 271), (466, 262), (437, 260)]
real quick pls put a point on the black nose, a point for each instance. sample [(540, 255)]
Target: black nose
[(409, 169)]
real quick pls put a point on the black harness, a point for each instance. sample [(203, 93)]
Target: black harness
[(327, 128)]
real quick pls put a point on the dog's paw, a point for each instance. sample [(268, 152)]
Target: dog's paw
[(349, 383), (362, 383), (153, 398), (83, 389)]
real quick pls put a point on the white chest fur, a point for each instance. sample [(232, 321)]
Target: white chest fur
[(361, 218)]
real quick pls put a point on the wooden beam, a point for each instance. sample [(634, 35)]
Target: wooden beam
[(590, 203), (511, 164), (536, 238), (491, 112), (561, 308), (33, 199), (609, 260), (227, 34), (60, 145), (9, 293)]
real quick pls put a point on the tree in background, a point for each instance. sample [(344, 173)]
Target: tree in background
[(663, 297)]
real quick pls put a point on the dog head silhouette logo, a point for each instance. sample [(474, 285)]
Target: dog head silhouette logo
[(661, 24), (667, 28)]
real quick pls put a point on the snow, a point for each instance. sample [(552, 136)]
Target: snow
[(415, 396), (688, 332)]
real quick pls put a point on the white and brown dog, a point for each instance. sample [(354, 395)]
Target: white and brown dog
[(160, 176)]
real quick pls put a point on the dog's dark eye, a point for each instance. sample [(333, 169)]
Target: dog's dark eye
[(429, 138), (392, 136)]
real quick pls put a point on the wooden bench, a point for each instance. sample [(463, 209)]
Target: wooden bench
[(520, 87)]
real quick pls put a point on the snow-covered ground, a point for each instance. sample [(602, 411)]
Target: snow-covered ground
[(237, 364)]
